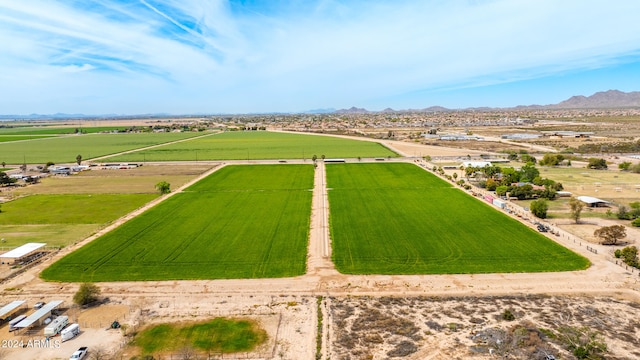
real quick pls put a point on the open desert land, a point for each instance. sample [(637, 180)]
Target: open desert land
[(324, 314)]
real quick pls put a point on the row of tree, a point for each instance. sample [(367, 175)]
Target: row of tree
[(509, 180)]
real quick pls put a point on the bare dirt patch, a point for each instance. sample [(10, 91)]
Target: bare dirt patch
[(445, 328)]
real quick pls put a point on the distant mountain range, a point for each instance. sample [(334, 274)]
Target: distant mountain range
[(611, 99)]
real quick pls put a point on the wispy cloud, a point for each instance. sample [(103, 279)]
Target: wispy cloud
[(236, 56)]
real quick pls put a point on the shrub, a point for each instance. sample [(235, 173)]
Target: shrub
[(636, 222), (87, 293), (596, 163), (539, 208), (507, 314)]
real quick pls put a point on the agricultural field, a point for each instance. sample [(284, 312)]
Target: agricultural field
[(39, 130), (396, 218), (140, 180), (9, 138), (219, 335), (59, 220), (616, 186), (64, 149), (259, 145), (240, 222)]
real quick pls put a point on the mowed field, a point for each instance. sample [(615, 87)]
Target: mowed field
[(254, 145), (396, 218), (64, 149), (240, 222), (49, 130), (9, 138), (60, 219)]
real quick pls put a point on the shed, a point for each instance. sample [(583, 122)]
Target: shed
[(39, 316), (592, 201), (10, 308), (478, 164), (21, 252)]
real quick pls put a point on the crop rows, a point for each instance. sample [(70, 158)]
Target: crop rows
[(259, 145), (399, 219), (241, 222)]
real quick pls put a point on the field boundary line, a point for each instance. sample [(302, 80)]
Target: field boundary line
[(149, 147), (118, 222)]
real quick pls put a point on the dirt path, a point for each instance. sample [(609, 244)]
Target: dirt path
[(319, 254)]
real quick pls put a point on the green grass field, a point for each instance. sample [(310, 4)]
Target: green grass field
[(399, 219), (36, 130), (65, 149), (241, 222), (9, 138), (217, 335), (259, 145), (62, 219)]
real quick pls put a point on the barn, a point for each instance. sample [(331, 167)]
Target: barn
[(21, 254), (592, 201)]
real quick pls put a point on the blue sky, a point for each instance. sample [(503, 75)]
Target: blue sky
[(199, 56)]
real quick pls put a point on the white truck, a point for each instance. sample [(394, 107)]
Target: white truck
[(79, 354)]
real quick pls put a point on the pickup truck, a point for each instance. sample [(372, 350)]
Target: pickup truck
[(79, 354)]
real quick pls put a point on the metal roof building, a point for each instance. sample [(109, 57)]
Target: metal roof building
[(39, 315), (10, 307), (592, 201), (21, 251)]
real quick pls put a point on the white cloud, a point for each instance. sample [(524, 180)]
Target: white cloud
[(207, 56)]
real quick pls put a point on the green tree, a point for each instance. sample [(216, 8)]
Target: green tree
[(79, 159), (527, 159), (630, 256), (597, 164), (86, 294), (521, 192), (314, 157), (323, 157), (635, 209), (611, 234), (4, 164), (624, 166), (5, 179), (528, 172), (551, 159), (623, 213), (502, 190), (539, 208), (163, 187), (455, 176), (575, 207)]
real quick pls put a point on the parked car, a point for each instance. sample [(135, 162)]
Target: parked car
[(79, 354), (38, 305)]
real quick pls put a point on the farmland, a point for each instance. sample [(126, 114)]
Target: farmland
[(65, 149), (259, 145), (45, 130), (61, 219), (141, 180), (219, 335), (241, 222), (9, 138), (399, 219)]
